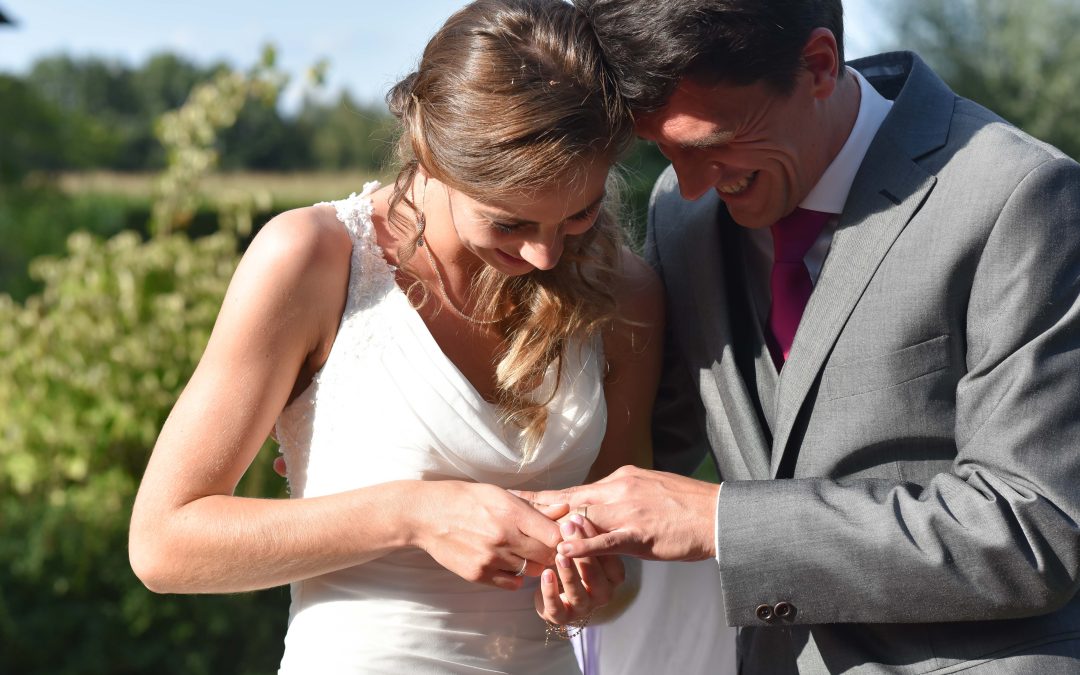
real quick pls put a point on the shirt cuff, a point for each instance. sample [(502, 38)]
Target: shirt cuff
[(716, 529)]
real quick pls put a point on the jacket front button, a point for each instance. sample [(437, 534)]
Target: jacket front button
[(784, 610), (765, 613)]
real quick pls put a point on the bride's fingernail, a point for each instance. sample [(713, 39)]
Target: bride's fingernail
[(549, 576), (562, 561), (577, 519), (567, 529)]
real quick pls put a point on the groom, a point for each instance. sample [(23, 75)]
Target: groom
[(873, 293)]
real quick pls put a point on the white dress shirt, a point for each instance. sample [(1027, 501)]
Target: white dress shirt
[(831, 191)]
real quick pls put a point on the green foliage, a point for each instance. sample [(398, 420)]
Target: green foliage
[(36, 221), (110, 108), (37, 135), (89, 368), (347, 135), (640, 169), (88, 371), (100, 114), (1018, 59), (190, 135)]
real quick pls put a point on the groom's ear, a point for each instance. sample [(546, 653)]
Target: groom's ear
[(821, 62)]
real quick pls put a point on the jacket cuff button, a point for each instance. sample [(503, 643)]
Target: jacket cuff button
[(765, 613), (784, 610)]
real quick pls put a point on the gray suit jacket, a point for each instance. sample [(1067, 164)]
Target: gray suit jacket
[(923, 440)]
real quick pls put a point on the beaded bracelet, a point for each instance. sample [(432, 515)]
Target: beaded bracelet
[(570, 630)]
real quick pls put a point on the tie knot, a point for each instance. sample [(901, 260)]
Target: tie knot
[(795, 233)]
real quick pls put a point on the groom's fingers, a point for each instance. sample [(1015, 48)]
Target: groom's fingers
[(542, 497), (574, 497), (607, 543), (552, 511)]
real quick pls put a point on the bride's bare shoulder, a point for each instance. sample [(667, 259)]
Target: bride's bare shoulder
[(297, 268), (303, 240)]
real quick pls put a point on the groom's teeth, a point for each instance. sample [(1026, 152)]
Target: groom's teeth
[(736, 188)]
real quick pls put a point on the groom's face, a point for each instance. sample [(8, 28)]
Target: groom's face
[(756, 148)]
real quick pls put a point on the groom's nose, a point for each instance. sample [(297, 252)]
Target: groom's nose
[(696, 176)]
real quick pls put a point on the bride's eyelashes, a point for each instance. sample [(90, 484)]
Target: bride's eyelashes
[(510, 228)]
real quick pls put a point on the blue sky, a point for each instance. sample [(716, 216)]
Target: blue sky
[(368, 44)]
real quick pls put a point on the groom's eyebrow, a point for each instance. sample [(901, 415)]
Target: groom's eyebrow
[(718, 137)]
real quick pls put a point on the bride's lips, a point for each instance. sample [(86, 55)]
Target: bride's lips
[(511, 259)]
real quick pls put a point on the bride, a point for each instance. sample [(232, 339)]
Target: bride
[(417, 348)]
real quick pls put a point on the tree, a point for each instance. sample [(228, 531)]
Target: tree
[(347, 135), (30, 130), (1016, 58)]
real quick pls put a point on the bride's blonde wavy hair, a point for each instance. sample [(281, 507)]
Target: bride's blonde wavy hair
[(512, 97)]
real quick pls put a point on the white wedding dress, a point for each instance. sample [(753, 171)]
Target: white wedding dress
[(389, 405)]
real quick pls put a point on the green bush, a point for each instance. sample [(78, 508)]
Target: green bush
[(88, 371), (37, 221)]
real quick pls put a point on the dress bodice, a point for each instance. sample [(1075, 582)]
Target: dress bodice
[(387, 405)]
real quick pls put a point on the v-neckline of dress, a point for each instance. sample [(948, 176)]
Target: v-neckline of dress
[(417, 323)]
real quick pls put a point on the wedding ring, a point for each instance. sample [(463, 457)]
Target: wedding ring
[(582, 511), (524, 564)]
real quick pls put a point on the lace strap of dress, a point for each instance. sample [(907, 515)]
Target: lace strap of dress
[(355, 211)]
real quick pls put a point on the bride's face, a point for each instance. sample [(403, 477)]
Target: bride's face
[(529, 232)]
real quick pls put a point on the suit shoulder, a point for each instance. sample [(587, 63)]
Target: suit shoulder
[(665, 189), (988, 131)]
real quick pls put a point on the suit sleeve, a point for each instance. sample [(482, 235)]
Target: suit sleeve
[(996, 536), (679, 441)]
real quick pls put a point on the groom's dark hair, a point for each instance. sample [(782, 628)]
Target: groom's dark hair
[(652, 44)]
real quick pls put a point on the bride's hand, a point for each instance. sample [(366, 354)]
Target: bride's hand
[(483, 533), (587, 583)]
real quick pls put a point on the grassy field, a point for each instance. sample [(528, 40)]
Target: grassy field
[(285, 189)]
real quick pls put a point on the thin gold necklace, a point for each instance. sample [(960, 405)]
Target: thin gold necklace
[(421, 225)]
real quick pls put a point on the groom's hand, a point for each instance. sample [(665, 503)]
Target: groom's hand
[(646, 514)]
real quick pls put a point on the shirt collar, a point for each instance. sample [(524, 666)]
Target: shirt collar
[(831, 191)]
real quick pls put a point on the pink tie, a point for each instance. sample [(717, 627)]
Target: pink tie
[(793, 235)]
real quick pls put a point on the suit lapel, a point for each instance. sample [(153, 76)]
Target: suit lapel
[(702, 254), (881, 204), (888, 190)]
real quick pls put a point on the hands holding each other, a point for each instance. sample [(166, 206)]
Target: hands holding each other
[(487, 535), (575, 587)]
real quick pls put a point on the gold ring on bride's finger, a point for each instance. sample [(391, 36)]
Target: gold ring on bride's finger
[(582, 510), (524, 564)]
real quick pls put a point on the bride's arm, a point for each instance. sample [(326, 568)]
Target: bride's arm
[(189, 534), (633, 350)]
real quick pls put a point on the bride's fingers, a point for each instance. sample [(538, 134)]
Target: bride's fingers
[(506, 581), (574, 591), (611, 566), (593, 577), (614, 569), (552, 608)]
